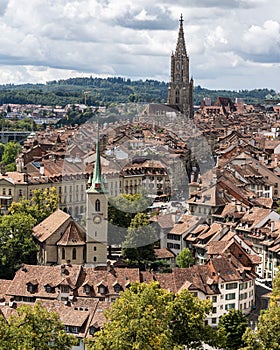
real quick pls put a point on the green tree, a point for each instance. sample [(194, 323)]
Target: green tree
[(11, 150), (40, 206), (139, 241), (184, 258), (267, 334), (148, 317), (34, 328), (122, 209), (16, 243), (231, 329), (188, 315), (2, 147)]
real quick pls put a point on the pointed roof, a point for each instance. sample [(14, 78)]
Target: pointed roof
[(71, 236), (181, 46), (50, 225), (97, 185)]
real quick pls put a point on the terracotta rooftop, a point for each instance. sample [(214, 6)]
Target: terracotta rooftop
[(50, 225)]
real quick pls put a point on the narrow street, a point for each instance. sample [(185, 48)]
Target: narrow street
[(261, 304)]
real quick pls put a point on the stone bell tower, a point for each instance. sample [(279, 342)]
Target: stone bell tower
[(180, 91)]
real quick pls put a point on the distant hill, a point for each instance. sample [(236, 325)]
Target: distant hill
[(102, 91)]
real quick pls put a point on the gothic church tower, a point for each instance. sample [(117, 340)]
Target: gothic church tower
[(96, 217), (180, 91)]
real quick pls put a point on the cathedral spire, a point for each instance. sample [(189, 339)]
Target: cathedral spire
[(180, 89), (181, 46), (97, 183)]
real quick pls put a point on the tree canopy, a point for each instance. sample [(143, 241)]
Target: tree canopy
[(148, 317), (231, 329), (34, 328), (184, 258), (267, 334), (122, 209), (112, 89), (139, 241), (8, 155), (40, 206), (16, 241)]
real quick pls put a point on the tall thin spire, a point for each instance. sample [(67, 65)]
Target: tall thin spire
[(97, 183), (181, 46)]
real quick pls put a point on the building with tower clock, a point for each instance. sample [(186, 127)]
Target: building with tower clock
[(96, 217)]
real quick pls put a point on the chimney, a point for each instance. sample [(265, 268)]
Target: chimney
[(42, 170), (272, 226)]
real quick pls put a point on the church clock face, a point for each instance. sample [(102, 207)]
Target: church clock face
[(96, 219)]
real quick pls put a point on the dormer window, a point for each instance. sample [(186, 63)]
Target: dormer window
[(117, 288), (31, 286), (49, 289), (87, 289), (101, 289), (92, 330)]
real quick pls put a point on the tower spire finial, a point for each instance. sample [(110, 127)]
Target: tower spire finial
[(97, 183), (181, 20)]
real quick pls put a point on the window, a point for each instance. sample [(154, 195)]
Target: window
[(229, 306), (30, 288), (63, 254), (177, 93), (92, 330), (230, 296), (214, 320), (64, 289), (214, 310), (74, 254), (97, 205), (231, 285), (86, 289), (173, 237), (4, 191), (101, 289), (214, 299), (49, 289), (10, 191), (117, 288)]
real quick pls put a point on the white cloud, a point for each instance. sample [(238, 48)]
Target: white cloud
[(226, 40)]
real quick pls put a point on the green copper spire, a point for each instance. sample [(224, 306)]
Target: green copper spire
[(97, 183)]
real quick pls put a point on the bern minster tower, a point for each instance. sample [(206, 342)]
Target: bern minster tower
[(180, 91)]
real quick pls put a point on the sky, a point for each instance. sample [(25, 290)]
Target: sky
[(232, 44)]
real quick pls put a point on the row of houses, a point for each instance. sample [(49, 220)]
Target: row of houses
[(80, 294)]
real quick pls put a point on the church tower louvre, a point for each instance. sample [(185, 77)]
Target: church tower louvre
[(180, 91), (96, 216)]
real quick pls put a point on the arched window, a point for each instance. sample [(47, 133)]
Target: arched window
[(74, 254), (97, 205), (63, 253), (177, 96)]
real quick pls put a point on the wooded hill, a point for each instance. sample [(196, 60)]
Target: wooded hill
[(102, 91)]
